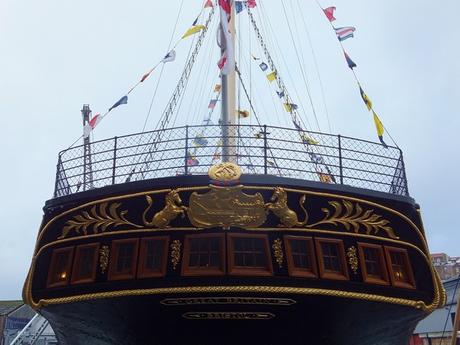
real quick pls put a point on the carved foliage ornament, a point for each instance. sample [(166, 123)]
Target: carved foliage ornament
[(98, 219), (353, 259), (175, 253), (278, 252), (104, 253)]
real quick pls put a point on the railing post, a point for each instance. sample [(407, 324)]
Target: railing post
[(340, 159), (56, 183), (403, 167), (186, 151), (114, 160), (265, 150)]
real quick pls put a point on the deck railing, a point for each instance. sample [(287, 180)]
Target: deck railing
[(266, 150)]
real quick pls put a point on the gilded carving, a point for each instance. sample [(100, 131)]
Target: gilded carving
[(98, 219), (228, 315), (226, 207), (278, 252), (175, 253), (104, 253), (173, 208), (225, 171), (354, 216), (353, 259), (280, 208)]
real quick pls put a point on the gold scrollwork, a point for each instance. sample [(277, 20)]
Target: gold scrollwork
[(354, 216), (279, 207), (173, 208), (98, 218), (353, 259), (175, 253), (228, 315), (278, 252), (104, 253)]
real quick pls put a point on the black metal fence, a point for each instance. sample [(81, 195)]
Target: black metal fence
[(191, 150)]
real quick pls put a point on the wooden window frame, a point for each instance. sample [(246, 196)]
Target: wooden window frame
[(296, 271), (407, 264), (113, 275), (49, 283), (342, 260), (248, 271), (187, 271), (76, 263), (383, 266), (142, 272)]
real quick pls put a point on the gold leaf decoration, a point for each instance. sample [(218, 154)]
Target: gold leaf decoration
[(98, 219), (278, 252), (353, 218), (353, 259), (175, 253), (104, 253)]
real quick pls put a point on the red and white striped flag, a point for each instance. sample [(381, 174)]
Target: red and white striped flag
[(91, 125)]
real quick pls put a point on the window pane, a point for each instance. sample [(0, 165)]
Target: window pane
[(60, 264), (398, 265), (249, 252), (86, 259), (331, 257), (154, 251), (301, 255), (205, 252), (125, 258)]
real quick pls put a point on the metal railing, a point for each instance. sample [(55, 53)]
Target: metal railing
[(268, 150)]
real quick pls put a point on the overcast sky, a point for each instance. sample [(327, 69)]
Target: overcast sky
[(59, 54)]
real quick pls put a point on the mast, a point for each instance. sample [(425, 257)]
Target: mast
[(228, 116), (87, 165)]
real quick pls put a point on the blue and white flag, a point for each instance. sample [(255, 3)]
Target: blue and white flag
[(122, 100)]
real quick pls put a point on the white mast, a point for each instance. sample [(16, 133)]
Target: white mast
[(228, 116)]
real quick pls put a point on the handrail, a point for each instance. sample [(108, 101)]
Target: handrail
[(269, 150)]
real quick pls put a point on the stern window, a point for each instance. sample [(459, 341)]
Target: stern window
[(59, 271), (400, 268), (373, 265), (204, 255), (123, 259), (152, 261), (332, 263), (300, 256), (249, 255), (84, 267)]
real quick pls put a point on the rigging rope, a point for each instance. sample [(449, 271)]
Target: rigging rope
[(305, 80), (176, 96)]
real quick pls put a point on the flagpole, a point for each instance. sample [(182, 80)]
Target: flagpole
[(228, 116)]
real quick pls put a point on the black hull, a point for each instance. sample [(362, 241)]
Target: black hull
[(231, 306), (311, 320)]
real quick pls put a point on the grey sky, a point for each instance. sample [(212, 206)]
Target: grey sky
[(59, 54)]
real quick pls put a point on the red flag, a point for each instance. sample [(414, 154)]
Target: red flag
[(145, 76), (95, 120), (329, 12), (208, 4), (251, 3), (225, 6)]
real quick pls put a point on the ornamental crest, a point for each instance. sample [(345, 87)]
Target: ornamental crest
[(226, 207)]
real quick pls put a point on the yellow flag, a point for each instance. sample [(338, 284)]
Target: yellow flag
[(325, 178), (272, 76), (308, 140), (378, 124), (193, 30), (217, 88)]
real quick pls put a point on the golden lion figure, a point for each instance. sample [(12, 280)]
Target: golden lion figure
[(279, 207), (172, 209)]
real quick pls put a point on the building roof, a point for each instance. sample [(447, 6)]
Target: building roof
[(441, 319), (7, 307)]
